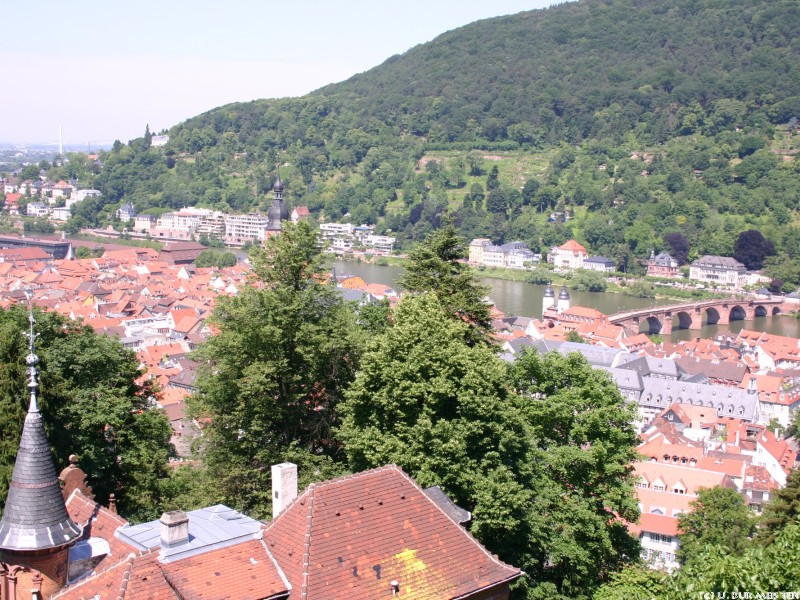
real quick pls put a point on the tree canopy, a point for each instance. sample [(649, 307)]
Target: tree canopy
[(436, 265), (92, 405), (751, 248), (272, 378), (719, 517), (543, 463)]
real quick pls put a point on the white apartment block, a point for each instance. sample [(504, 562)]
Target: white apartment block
[(179, 221), (382, 243), (245, 228), (329, 230)]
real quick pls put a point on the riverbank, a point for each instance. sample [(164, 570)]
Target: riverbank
[(116, 241), (630, 286)]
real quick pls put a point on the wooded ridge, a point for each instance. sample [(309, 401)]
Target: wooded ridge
[(615, 122)]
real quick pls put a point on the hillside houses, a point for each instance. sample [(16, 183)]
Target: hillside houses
[(517, 255), (340, 238), (46, 196)]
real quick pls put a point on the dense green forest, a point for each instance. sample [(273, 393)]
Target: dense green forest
[(616, 122)]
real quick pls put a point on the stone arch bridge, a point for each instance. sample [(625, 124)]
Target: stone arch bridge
[(690, 314)]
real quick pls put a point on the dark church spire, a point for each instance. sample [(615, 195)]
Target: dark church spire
[(278, 211), (35, 516)]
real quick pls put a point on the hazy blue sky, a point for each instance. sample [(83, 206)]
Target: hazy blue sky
[(105, 70)]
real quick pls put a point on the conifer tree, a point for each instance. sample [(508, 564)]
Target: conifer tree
[(437, 265), (782, 510)]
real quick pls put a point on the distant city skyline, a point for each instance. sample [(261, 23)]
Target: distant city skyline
[(104, 72)]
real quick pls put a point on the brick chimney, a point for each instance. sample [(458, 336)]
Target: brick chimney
[(284, 486)]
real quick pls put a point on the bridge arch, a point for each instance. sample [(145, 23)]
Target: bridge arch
[(712, 315), (737, 313), (652, 325), (776, 310), (761, 311), (684, 320)]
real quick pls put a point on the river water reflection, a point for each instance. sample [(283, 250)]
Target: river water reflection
[(525, 299)]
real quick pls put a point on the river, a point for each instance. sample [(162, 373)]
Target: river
[(525, 299)]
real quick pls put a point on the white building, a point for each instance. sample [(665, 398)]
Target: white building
[(179, 221), (513, 255), (723, 271), (381, 243), (476, 247), (83, 194), (240, 229), (331, 230), (37, 209), (493, 256), (570, 255), (61, 213), (599, 263), (522, 258)]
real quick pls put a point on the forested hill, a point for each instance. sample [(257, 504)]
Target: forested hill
[(593, 68), (617, 122)]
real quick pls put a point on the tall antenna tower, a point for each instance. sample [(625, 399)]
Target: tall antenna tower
[(60, 142)]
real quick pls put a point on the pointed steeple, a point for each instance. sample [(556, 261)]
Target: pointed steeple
[(278, 211), (35, 516)]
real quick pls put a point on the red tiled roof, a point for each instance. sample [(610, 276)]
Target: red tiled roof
[(348, 538), (572, 246), (245, 571), (663, 524)]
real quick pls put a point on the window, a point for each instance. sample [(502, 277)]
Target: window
[(663, 539), (659, 488)]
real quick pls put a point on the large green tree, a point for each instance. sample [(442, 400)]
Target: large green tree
[(272, 378), (585, 447), (719, 517), (427, 401), (437, 265), (93, 407), (546, 471)]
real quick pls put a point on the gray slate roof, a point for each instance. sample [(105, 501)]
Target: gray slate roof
[(597, 356), (450, 508), (35, 516), (626, 379), (729, 401)]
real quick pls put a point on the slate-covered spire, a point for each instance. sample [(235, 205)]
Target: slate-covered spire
[(35, 516), (278, 211)]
